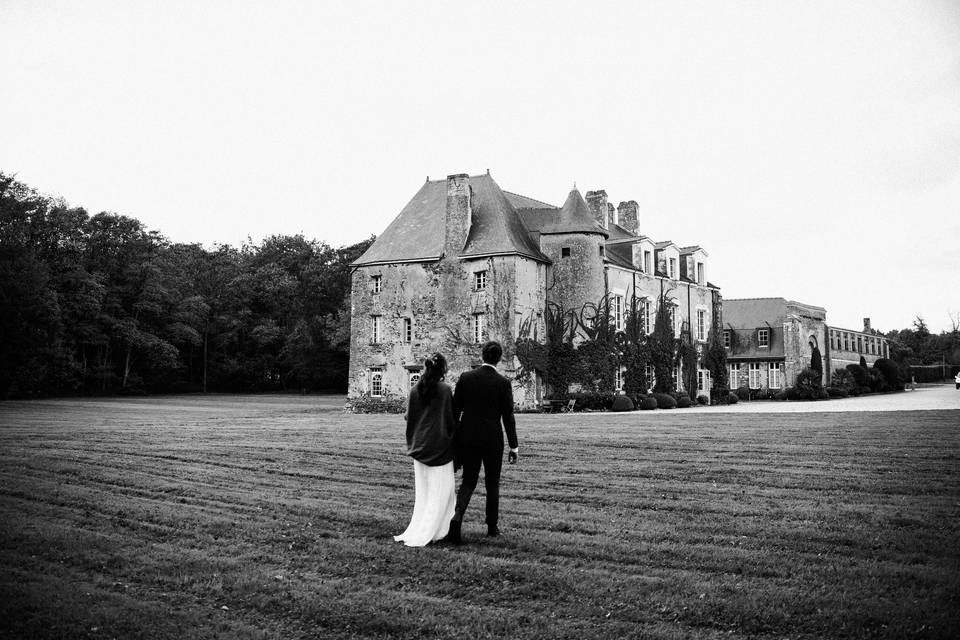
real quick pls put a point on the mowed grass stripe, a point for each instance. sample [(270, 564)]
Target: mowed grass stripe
[(615, 526)]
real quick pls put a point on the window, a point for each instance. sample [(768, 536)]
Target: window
[(776, 371), (734, 381), (616, 310), (754, 381), (377, 330), (376, 383), (846, 341), (478, 328), (763, 338), (407, 330), (676, 320), (414, 379), (650, 375), (726, 338), (646, 321), (480, 281), (619, 381), (700, 277), (647, 262), (703, 380), (601, 250), (701, 325), (675, 378), (672, 268), (564, 252), (859, 344), (377, 284)]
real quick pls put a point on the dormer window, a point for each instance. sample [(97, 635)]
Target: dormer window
[(672, 268), (763, 338), (377, 283), (700, 274), (480, 281), (726, 338)]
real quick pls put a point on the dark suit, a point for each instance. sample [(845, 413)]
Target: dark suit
[(485, 399)]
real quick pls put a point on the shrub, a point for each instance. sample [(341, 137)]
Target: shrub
[(842, 378), (719, 395), (648, 402), (369, 404), (743, 393), (684, 402), (622, 403), (732, 398), (665, 401), (837, 392), (859, 374), (891, 374), (790, 393), (593, 401), (702, 399), (808, 384), (780, 395)]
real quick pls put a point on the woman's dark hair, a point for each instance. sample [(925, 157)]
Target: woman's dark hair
[(434, 368)]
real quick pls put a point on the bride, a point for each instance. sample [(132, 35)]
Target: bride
[(430, 429)]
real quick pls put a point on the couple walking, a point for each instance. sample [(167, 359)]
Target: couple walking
[(462, 425)]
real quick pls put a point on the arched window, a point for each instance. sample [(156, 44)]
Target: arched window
[(414, 379), (376, 383)]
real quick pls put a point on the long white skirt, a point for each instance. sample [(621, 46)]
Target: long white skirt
[(433, 506)]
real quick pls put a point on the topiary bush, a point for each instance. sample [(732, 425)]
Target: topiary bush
[(732, 398), (684, 402), (809, 385), (593, 401), (702, 399), (743, 393), (366, 403), (622, 403), (648, 402), (665, 401)]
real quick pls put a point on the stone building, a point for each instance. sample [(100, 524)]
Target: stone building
[(770, 340), (465, 262), (846, 346)]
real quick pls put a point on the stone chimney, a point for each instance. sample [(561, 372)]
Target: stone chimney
[(628, 216), (866, 325), (458, 214), (597, 203)]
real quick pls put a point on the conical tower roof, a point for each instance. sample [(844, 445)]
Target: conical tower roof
[(574, 217)]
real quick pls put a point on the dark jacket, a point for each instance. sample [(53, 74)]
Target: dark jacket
[(485, 399), (430, 427)]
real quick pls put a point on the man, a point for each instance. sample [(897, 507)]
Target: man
[(485, 400)]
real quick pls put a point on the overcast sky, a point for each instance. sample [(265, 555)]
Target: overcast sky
[(812, 148)]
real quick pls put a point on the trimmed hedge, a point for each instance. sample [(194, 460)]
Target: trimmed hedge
[(665, 401), (622, 403), (837, 392), (732, 398), (684, 402), (648, 402), (370, 404), (702, 399)]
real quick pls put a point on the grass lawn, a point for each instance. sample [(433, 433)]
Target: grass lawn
[(271, 517)]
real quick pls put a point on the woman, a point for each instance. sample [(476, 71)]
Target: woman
[(430, 429)]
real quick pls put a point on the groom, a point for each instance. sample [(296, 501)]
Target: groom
[(485, 399)]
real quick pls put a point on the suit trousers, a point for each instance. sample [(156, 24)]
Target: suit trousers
[(492, 461)]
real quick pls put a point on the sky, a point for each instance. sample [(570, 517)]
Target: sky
[(812, 148)]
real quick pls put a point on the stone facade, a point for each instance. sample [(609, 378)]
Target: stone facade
[(465, 262), (771, 340)]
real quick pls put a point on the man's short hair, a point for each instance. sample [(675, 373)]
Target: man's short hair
[(491, 352)]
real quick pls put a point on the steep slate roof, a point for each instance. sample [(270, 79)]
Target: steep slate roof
[(525, 202), (620, 255), (616, 232), (417, 233), (574, 217), (750, 313)]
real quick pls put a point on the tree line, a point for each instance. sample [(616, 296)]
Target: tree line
[(101, 305)]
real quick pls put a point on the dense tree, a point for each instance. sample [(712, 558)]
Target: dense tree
[(102, 305)]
